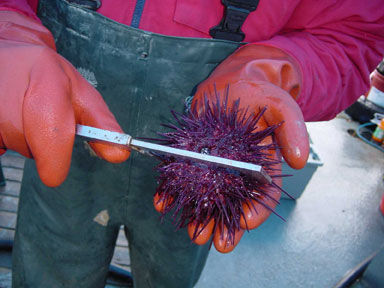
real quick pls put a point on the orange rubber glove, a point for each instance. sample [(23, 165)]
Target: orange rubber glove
[(42, 97), (260, 76)]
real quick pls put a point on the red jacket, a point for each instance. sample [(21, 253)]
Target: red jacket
[(337, 43)]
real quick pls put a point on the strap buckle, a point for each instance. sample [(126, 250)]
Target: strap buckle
[(230, 25), (87, 4)]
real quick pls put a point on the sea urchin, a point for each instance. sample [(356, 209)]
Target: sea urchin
[(199, 193)]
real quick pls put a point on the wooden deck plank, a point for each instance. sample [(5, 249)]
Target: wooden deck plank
[(7, 220), (12, 160), (121, 257), (4, 270), (7, 234), (13, 174), (8, 203), (121, 239), (11, 188), (121, 253)]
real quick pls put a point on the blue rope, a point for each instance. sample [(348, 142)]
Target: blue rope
[(365, 139)]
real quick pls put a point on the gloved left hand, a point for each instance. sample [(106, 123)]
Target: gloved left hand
[(43, 97), (260, 76)]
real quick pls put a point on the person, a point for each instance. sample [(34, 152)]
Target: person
[(305, 60)]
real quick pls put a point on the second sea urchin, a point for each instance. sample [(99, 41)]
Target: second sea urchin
[(199, 193)]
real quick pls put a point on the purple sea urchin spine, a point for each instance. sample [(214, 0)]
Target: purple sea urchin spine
[(197, 193)]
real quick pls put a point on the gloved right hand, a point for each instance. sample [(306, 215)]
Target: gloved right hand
[(259, 76), (43, 97)]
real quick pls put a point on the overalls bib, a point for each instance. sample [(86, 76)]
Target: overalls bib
[(66, 236)]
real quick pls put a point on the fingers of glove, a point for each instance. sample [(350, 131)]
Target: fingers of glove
[(225, 244), (256, 212), (292, 136), (49, 121), (91, 110), (200, 234), (160, 203), (14, 82)]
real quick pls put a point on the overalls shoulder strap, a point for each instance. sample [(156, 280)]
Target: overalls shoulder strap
[(87, 4), (235, 14)]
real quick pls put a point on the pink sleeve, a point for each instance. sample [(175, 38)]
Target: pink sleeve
[(26, 7), (336, 51)]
